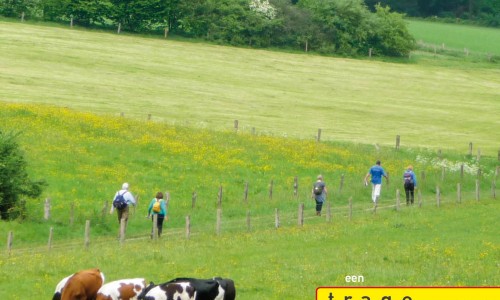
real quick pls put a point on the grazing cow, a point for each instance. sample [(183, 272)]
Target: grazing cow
[(124, 289), (83, 285), (191, 289), (59, 288)]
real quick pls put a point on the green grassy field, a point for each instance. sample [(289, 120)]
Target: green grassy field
[(455, 36), (194, 92), (281, 94), (453, 245)]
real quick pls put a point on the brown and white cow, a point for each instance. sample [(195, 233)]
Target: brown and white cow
[(59, 288), (124, 289), (83, 285), (191, 289)]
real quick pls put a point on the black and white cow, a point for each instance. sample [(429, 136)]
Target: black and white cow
[(191, 289)]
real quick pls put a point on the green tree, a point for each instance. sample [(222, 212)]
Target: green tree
[(390, 33), (14, 179)]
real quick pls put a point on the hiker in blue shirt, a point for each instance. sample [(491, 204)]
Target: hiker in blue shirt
[(158, 207), (376, 172), (410, 183)]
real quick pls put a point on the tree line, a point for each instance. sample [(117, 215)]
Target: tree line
[(483, 12), (341, 27)]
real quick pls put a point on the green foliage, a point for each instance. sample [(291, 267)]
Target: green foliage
[(330, 27), (14, 178), (391, 36)]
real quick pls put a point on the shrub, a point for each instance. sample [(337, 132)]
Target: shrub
[(14, 179)]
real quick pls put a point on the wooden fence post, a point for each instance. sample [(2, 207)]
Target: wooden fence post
[(301, 214), (443, 171), (165, 32), (119, 28), (188, 227), (71, 22), (398, 139), (318, 138), (470, 149), (370, 52), (46, 209), (51, 233), (219, 197), (10, 238), (71, 213), (461, 171), (235, 125), (245, 193), (295, 186), (22, 16), (104, 210), (276, 218), (419, 195), (459, 193), (87, 234), (219, 220), (193, 199), (271, 189)]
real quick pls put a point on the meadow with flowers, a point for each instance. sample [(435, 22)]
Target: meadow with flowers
[(67, 114), (85, 157)]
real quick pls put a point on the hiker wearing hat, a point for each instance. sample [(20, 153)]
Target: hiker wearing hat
[(376, 172), (121, 202)]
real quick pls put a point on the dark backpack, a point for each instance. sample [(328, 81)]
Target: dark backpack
[(120, 202), (318, 188), (408, 178)]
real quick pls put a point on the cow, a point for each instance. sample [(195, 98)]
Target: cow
[(83, 285), (191, 289), (124, 289), (59, 288)]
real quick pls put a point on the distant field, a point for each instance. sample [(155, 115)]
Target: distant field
[(479, 39), (276, 93)]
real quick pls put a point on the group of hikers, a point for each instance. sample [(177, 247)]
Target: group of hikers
[(124, 199), (376, 172), (157, 207)]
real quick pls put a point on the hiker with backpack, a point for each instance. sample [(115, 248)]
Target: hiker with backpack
[(121, 202), (319, 193), (158, 207), (410, 183)]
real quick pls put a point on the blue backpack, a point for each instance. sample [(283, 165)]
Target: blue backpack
[(120, 202), (408, 178)]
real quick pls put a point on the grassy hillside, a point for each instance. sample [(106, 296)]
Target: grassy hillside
[(85, 158), (445, 106)]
